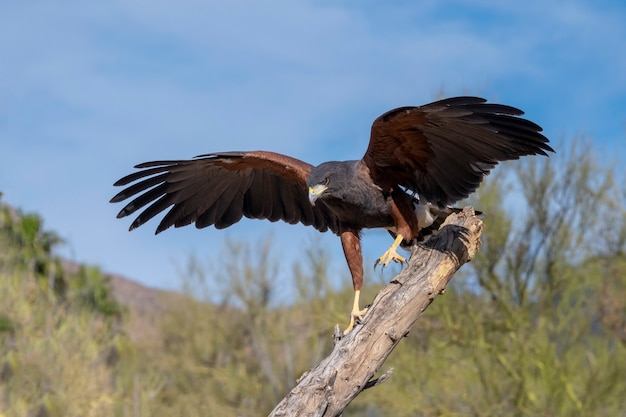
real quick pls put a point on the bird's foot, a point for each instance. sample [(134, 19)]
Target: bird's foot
[(355, 316), (391, 254), (357, 313)]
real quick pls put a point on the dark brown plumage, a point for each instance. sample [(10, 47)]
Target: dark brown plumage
[(418, 159)]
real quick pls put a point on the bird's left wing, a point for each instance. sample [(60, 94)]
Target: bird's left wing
[(442, 150), (220, 188)]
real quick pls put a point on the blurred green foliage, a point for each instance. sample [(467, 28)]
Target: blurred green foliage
[(534, 326), (57, 328)]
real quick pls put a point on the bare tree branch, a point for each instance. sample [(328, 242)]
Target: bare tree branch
[(327, 389)]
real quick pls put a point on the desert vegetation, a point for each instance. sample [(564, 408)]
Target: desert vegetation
[(534, 326)]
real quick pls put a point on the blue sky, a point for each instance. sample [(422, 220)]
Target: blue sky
[(89, 89)]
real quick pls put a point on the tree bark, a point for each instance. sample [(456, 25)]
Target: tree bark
[(327, 389)]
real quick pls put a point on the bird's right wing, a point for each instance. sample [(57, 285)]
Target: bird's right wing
[(220, 188), (442, 150)]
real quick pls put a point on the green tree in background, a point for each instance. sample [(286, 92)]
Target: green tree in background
[(26, 245), (534, 326), (57, 329)]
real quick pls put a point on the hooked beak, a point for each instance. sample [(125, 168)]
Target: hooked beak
[(316, 191)]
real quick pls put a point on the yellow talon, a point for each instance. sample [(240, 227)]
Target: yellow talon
[(391, 254), (356, 312)]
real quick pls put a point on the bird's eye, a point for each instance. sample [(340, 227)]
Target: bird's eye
[(326, 181)]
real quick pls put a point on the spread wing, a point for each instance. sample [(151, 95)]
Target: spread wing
[(443, 150), (220, 188)]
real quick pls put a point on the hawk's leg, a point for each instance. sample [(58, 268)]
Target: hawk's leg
[(356, 312), (391, 254), (351, 244)]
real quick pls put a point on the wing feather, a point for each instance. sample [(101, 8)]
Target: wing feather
[(443, 150), (254, 199), (220, 188)]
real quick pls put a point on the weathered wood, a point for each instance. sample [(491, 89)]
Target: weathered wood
[(327, 389)]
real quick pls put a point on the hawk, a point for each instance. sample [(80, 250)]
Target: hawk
[(419, 161)]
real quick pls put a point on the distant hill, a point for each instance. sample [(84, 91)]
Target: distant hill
[(145, 305)]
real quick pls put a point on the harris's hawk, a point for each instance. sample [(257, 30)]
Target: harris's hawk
[(419, 161)]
